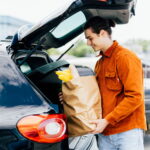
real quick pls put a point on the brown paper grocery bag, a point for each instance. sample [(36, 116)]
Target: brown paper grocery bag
[(82, 102)]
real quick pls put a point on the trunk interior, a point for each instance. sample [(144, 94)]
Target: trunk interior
[(40, 69)]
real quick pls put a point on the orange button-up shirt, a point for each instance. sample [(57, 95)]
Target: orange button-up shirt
[(120, 78)]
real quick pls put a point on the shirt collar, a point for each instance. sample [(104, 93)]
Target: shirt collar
[(109, 51)]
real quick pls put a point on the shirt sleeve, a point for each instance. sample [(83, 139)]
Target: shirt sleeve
[(130, 72)]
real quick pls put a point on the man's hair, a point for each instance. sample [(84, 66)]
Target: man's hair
[(97, 24)]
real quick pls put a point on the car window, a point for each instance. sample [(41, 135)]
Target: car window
[(69, 24), (25, 68), (32, 63)]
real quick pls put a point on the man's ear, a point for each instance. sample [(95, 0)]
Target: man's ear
[(102, 33)]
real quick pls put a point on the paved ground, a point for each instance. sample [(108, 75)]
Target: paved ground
[(147, 141)]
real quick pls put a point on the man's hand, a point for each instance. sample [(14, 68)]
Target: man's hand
[(61, 97), (101, 124)]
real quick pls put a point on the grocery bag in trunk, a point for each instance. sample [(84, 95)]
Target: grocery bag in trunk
[(82, 102)]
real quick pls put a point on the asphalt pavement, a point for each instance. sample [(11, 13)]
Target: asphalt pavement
[(147, 141)]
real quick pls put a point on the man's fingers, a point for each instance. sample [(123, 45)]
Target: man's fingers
[(96, 130), (61, 101), (61, 97), (93, 121), (60, 93)]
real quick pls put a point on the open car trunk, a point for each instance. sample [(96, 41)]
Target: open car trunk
[(39, 69), (56, 30), (67, 23)]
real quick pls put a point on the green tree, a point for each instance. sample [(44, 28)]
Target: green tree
[(145, 44), (53, 51), (81, 50)]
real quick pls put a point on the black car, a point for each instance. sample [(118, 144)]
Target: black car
[(31, 116)]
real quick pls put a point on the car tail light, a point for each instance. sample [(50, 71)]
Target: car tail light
[(103, 0), (43, 128)]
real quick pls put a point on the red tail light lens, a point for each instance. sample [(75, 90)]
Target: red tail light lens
[(103, 0), (43, 128)]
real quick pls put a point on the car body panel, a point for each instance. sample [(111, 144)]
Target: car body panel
[(18, 99), (119, 11)]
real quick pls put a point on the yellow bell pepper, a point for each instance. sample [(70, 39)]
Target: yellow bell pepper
[(64, 75)]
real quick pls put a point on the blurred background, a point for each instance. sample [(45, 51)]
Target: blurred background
[(135, 35)]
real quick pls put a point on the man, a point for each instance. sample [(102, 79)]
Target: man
[(120, 79)]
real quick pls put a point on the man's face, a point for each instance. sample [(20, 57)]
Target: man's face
[(93, 39)]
